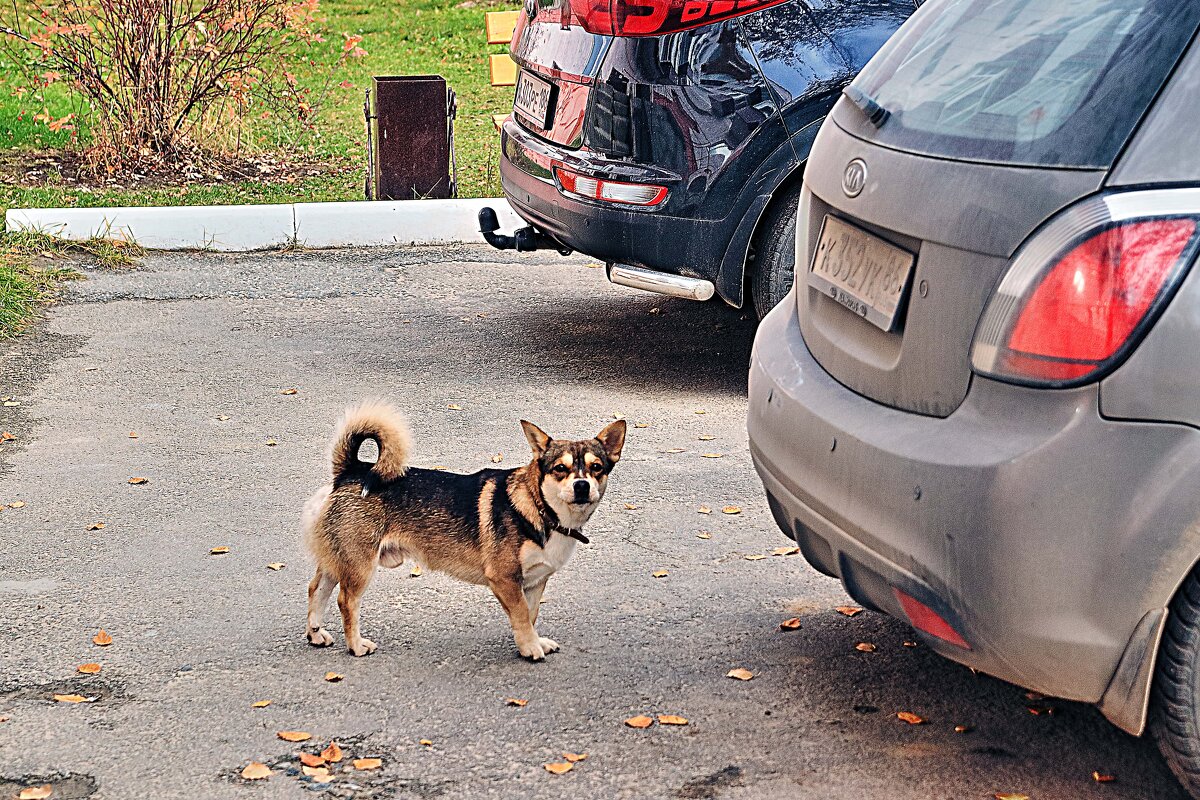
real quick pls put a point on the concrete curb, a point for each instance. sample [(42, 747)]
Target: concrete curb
[(263, 227)]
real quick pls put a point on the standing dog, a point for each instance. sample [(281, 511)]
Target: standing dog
[(509, 530)]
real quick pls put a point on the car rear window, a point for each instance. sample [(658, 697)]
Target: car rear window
[(1036, 82)]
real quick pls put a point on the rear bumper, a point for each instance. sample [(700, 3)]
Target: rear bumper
[(1042, 532)]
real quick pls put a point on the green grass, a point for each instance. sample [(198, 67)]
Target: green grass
[(402, 37)]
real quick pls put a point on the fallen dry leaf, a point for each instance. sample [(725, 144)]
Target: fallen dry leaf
[(5, 718), (659, 573), (731, 510), (17, 504), (138, 481), (618, 415), (865, 647), (5, 436), (222, 418), (911, 719), (88, 669), (910, 644), (703, 535), (367, 763), (713, 455), (754, 557), (706, 437), (631, 507), (575, 758), (318, 774), (454, 407), (700, 411), (312, 760), (785, 551), (1011, 796), (849, 611), (276, 565), (558, 767), (425, 742), (674, 450), (260, 704), (740, 673), (96, 526), (963, 728), (671, 719), (294, 736), (133, 434), (36, 792), (641, 425), (334, 677), (218, 551), (256, 771), (415, 573), (704, 510), (288, 391), (1100, 777), (333, 753), (102, 639), (496, 459), (640, 721), (73, 698), (790, 624), (271, 442), (515, 701)]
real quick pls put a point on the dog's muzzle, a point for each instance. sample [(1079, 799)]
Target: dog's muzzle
[(583, 491)]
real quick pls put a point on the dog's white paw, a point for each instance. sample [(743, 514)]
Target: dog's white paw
[(532, 649), (319, 638), (364, 648), (548, 645)]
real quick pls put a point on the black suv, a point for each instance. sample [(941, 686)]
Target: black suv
[(668, 137)]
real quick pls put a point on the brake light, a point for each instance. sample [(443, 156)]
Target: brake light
[(1064, 316), (634, 194), (657, 17)]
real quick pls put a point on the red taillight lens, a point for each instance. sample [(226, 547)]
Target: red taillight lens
[(1071, 317), (924, 618), (657, 17), (633, 194)]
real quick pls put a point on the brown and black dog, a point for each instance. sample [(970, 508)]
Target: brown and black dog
[(509, 530)]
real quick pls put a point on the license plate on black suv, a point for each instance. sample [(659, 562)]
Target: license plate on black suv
[(533, 99)]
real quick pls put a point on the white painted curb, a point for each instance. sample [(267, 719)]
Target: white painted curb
[(262, 227)]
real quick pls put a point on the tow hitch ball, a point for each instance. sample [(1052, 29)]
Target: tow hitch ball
[(523, 240)]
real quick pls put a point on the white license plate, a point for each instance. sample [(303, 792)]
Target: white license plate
[(861, 271), (533, 99)]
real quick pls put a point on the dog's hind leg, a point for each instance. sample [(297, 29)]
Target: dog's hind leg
[(319, 589), (349, 600), (512, 598)]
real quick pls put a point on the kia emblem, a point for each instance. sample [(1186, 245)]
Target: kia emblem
[(854, 178)]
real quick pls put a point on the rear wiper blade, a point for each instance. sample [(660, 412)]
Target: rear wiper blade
[(875, 113)]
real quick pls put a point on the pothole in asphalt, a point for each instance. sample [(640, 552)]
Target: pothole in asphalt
[(101, 689), (65, 785)]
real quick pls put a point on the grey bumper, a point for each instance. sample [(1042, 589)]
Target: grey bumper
[(1049, 537)]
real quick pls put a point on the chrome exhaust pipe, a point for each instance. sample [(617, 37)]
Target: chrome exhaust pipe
[(661, 282)]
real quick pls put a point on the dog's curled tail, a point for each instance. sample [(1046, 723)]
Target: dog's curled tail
[(377, 420)]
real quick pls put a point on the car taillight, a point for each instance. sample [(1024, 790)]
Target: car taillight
[(1081, 293), (634, 194), (657, 17)]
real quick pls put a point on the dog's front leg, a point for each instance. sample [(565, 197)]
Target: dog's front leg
[(533, 598), (508, 591)]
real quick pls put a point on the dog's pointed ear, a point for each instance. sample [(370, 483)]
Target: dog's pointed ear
[(613, 439), (539, 440)]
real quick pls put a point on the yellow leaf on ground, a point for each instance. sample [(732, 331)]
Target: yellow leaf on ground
[(294, 736), (1100, 777), (416, 572), (704, 510), (96, 526), (910, 718), (334, 677), (367, 763), (318, 774), (575, 758), (515, 701), (288, 391), (731, 510), (5, 718), (260, 704), (36, 792), (701, 411), (17, 504), (271, 443), (496, 459), (88, 669), (790, 624), (674, 450), (1011, 796), (102, 638), (703, 535), (740, 673), (706, 437), (754, 557), (454, 407), (256, 771), (276, 566), (671, 719), (849, 611), (785, 551), (133, 434), (865, 647), (559, 767), (312, 760), (72, 698), (640, 721), (425, 742), (962, 729), (631, 506), (332, 754), (713, 455), (659, 573), (138, 481), (219, 551), (222, 418), (5, 436), (641, 425)]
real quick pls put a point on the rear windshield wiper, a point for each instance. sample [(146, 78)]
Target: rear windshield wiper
[(875, 113)]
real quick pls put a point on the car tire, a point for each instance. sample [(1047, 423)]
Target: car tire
[(774, 265), (1175, 704)]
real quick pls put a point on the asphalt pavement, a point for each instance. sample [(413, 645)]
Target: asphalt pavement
[(176, 372)]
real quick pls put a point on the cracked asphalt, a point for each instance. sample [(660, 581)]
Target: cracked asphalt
[(192, 352)]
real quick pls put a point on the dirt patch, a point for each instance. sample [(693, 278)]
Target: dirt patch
[(706, 787), (101, 688), (67, 785)]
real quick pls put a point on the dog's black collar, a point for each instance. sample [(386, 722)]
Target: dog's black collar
[(574, 534)]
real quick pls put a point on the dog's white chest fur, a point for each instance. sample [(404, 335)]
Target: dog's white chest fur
[(539, 563)]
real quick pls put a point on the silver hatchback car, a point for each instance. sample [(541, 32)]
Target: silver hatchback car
[(980, 406)]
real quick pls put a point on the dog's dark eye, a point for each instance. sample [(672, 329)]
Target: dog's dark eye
[(597, 468), (560, 469)]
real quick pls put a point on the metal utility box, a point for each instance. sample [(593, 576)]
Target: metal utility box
[(410, 129)]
